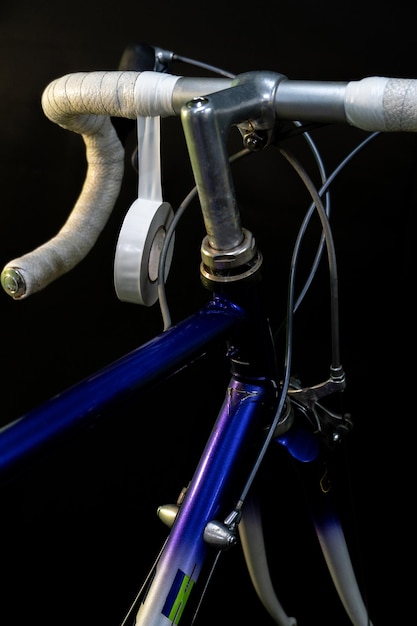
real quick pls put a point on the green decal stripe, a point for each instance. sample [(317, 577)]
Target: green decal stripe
[(181, 599)]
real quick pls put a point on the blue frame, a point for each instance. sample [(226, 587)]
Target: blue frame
[(83, 403), (250, 402), (229, 460), (211, 491)]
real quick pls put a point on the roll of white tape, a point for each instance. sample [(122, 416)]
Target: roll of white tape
[(138, 251)]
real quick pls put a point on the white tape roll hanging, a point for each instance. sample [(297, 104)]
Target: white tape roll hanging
[(145, 225)]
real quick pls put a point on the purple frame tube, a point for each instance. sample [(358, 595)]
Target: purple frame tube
[(211, 495), (82, 404)]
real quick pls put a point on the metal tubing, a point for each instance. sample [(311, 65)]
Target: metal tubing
[(209, 497), (207, 121), (83, 403)]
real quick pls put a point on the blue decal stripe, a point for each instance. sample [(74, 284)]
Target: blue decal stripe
[(177, 597)]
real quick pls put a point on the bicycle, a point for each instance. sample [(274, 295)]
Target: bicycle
[(265, 406)]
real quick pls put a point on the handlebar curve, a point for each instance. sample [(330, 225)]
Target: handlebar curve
[(84, 102)]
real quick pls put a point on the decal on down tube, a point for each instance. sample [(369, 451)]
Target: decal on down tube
[(177, 597)]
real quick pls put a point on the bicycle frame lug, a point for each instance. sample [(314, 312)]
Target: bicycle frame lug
[(220, 536)]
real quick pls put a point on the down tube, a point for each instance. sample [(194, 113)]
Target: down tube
[(209, 497), (79, 406)]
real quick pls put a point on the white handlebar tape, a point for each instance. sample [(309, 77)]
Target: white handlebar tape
[(74, 101), (83, 103), (38, 268), (382, 104)]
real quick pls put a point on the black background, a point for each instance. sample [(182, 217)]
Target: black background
[(79, 529)]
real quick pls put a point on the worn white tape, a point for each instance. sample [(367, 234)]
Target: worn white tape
[(138, 251)]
